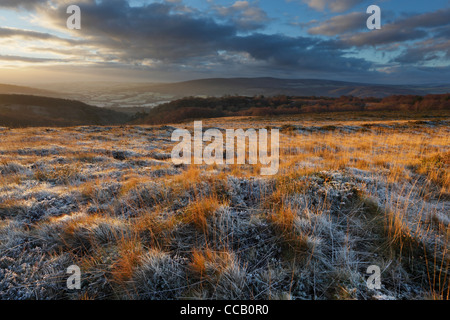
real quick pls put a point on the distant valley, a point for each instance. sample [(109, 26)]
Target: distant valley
[(109, 103), (149, 95)]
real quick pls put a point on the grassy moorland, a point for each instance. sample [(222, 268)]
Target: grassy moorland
[(354, 189)]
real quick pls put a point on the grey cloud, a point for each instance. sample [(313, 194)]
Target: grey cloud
[(408, 74), (244, 15), (72, 52), (388, 34), (301, 53), (443, 32), (24, 59), (28, 4), (34, 35), (36, 4), (427, 20), (425, 51), (411, 28)]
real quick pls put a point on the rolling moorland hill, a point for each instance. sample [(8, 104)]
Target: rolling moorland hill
[(217, 87), (145, 95), (198, 108), (12, 89), (26, 110)]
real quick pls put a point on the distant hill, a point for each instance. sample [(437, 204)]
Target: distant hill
[(118, 95), (218, 87), (27, 110), (11, 89)]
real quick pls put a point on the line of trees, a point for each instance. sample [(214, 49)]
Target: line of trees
[(200, 108)]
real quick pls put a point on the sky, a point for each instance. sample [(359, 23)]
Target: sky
[(177, 40)]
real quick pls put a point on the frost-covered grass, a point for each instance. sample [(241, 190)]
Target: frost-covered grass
[(350, 193)]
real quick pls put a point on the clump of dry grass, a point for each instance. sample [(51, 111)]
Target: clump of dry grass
[(83, 234), (60, 174), (199, 211), (130, 253), (295, 242), (219, 273), (154, 229), (437, 169), (157, 276)]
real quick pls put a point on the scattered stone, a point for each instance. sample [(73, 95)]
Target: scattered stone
[(119, 155)]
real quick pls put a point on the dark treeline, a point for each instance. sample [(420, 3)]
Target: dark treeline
[(198, 108)]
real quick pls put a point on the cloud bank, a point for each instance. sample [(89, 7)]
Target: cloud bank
[(231, 40)]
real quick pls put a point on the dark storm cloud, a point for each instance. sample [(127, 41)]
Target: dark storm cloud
[(153, 31), (159, 32), (303, 53)]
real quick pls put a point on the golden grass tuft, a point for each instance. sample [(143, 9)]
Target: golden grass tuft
[(130, 253), (209, 264), (296, 244), (198, 211), (154, 229)]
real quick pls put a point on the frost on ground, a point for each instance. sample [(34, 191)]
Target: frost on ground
[(109, 200)]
